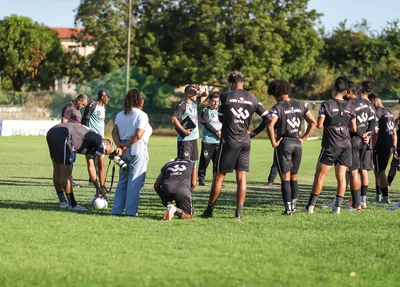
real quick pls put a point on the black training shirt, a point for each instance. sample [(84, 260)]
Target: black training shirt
[(385, 120), (178, 174)]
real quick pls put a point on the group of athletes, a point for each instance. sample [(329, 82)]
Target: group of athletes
[(358, 135)]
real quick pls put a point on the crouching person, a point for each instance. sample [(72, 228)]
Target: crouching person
[(176, 182)]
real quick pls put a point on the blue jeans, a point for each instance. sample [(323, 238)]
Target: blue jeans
[(131, 180)]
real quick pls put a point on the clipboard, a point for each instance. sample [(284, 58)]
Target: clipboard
[(187, 124)]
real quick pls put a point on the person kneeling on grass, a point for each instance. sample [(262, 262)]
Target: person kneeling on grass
[(176, 182)]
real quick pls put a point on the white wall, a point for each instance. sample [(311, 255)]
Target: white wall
[(26, 128)]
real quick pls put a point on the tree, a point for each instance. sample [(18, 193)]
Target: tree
[(30, 53)]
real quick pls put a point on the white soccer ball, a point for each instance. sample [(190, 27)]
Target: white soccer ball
[(99, 203)]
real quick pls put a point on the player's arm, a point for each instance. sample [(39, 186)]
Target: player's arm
[(271, 132), (193, 182), (65, 115), (395, 145), (310, 127), (266, 119), (158, 182), (353, 126), (89, 109)]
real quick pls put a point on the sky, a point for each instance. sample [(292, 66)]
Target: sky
[(60, 13)]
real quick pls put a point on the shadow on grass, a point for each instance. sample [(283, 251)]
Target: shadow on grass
[(23, 183)]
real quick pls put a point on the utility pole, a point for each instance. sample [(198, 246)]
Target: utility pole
[(128, 52)]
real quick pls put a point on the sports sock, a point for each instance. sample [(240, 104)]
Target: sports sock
[(338, 200), (295, 189), (385, 191), (286, 191), (239, 209), (355, 196), (390, 179), (61, 196), (178, 212), (71, 199), (364, 190), (313, 199), (378, 190)]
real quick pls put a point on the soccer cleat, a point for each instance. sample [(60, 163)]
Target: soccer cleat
[(351, 208), (385, 200), (396, 206), (77, 208), (331, 204), (309, 209), (363, 205), (64, 205), (170, 212), (336, 210), (377, 199), (208, 213)]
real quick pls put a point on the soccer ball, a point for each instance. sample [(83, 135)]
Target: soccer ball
[(99, 203)]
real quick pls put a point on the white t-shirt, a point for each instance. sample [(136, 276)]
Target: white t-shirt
[(128, 124)]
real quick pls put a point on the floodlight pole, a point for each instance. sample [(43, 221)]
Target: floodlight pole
[(128, 52)]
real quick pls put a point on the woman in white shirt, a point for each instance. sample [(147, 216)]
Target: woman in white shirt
[(131, 134)]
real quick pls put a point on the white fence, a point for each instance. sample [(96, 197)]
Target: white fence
[(26, 128)]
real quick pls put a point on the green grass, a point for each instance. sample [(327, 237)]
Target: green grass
[(41, 245)]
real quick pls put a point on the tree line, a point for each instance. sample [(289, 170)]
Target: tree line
[(200, 41)]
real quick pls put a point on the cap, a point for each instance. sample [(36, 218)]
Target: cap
[(103, 92)]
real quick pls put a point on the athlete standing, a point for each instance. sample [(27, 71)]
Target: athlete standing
[(286, 118)]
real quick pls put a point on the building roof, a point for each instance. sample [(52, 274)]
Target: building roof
[(68, 33)]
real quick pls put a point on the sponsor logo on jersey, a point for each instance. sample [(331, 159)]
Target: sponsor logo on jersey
[(362, 118), (390, 126), (240, 114), (294, 122)]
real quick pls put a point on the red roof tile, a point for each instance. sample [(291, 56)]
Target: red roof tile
[(68, 33)]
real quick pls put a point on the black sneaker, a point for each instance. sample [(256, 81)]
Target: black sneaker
[(201, 183), (208, 213), (238, 215)]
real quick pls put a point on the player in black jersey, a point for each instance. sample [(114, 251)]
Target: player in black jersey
[(235, 111), (66, 138), (336, 118), (176, 182), (360, 141), (286, 117), (384, 143), (395, 162)]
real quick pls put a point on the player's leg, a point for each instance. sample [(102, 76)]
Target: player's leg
[(340, 173), (184, 205), (58, 185), (392, 171), (296, 160), (319, 177), (241, 181), (376, 160), (283, 160), (383, 183), (216, 188), (214, 148), (354, 176), (65, 175), (193, 150), (205, 157)]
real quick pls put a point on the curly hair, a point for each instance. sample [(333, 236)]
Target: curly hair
[(235, 77), (279, 88), (133, 99)]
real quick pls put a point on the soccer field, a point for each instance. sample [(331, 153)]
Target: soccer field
[(41, 245)]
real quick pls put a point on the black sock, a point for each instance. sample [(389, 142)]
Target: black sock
[(61, 196), (286, 191), (390, 179), (313, 199), (178, 212), (385, 191), (355, 196), (364, 190), (378, 190), (338, 201), (239, 210), (295, 189), (71, 199)]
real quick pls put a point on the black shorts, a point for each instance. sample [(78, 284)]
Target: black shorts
[(336, 156), (287, 155), (233, 156), (366, 162), (183, 199), (60, 145), (356, 145), (188, 150), (381, 158)]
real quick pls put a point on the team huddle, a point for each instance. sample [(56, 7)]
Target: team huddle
[(358, 135)]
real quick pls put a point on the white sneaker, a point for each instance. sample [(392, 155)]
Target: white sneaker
[(170, 212), (336, 210), (363, 205), (77, 208), (64, 205), (331, 204), (309, 209), (396, 206)]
